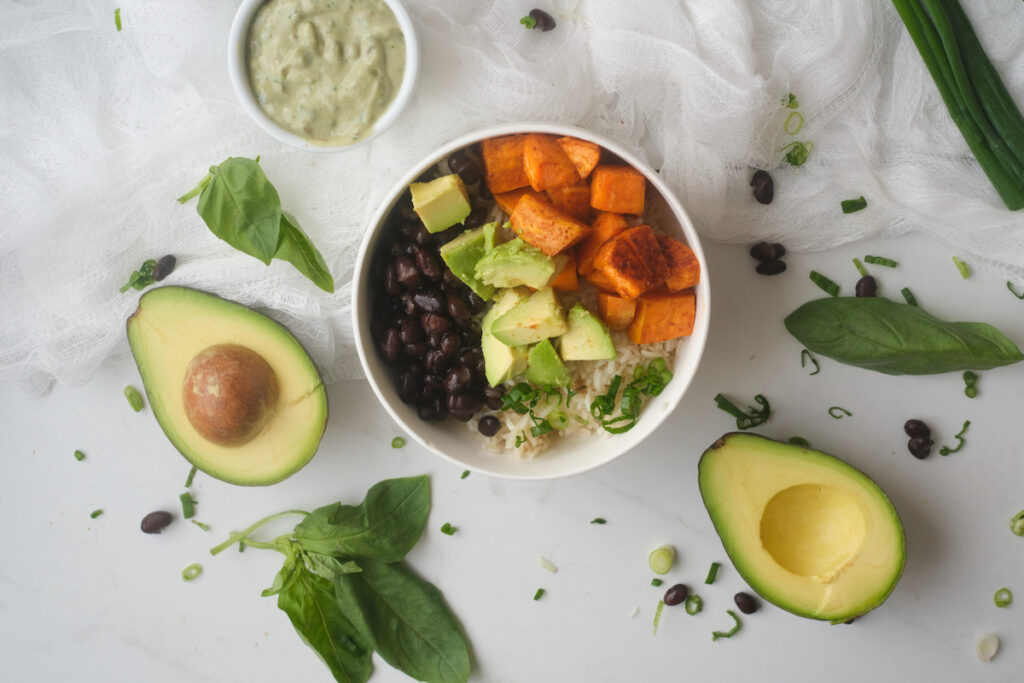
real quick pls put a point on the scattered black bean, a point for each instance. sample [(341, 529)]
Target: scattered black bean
[(155, 522), (164, 267), (771, 267), (406, 211), (920, 447), (457, 380), (545, 22), (463, 406), (391, 345), (866, 287), (476, 217), (391, 284), (451, 280), (767, 251), (492, 397), (410, 386), (458, 309), (421, 235), (429, 301), (488, 425), (746, 602), (916, 428), (407, 273), (433, 323), (410, 330), (428, 264), (475, 301), (468, 169), (676, 594), (449, 344), (416, 350), (436, 361), (764, 187)]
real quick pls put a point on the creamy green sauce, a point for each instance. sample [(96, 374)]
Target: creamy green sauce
[(326, 70)]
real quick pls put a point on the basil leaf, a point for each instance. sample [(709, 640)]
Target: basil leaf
[(309, 601), (329, 567), (897, 339), (296, 248), (406, 620), (241, 207), (385, 526), (282, 577)]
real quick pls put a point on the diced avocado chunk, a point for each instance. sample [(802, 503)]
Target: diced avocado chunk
[(501, 362), (544, 367), (530, 321), (587, 338), (490, 235), (441, 203), (514, 264), (461, 256)]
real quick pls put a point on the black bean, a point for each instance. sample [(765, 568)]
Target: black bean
[(407, 273), (396, 249), (746, 602), (428, 264), (391, 345), (391, 284), (450, 344), (463, 406), (426, 412), (429, 301), (433, 323), (470, 336), (436, 361), (764, 187), (488, 425), (410, 330), (484, 192), (410, 386), (771, 267), (433, 386), (767, 251), (406, 305), (155, 522), (450, 279), (459, 162), (476, 217), (916, 428), (406, 211), (545, 22), (920, 447), (475, 301), (457, 380), (164, 267), (416, 366), (421, 235), (866, 287), (492, 397), (416, 349), (469, 355), (377, 328), (458, 309), (446, 236), (676, 594)]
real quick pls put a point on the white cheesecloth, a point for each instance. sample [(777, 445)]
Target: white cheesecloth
[(100, 130)]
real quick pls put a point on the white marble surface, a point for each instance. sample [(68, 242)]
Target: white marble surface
[(97, 600)]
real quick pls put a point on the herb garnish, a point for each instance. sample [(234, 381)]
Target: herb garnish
[(1017, 523), (798, 152), (141, 278), (790, 101), (190, 572), (204, 527), (79, 456), (830, 287), (656, 582), (837, 412), (347, 593), (965, 271), (1009, 286), (806, 355), (188, 505), (657, 615), (448, 530), (798, 117), (970, 384), (715, 635), (117, 18), (528, 21), (191, 476), (799, 441), (860, 267), (1003, 597), (661, 558), (746, 420), (465, 473), (853, 205), (134, 398), (95, 513), (242, 207), (397, 442), (959, 436), (598, 520), (712, 573), (647, 382), (881, 261), (693, 604), (908, 296)]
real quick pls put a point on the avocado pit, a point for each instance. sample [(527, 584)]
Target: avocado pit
[(230, 393)]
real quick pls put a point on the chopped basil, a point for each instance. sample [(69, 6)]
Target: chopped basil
[(598, 520), (693, 604), (965, 271), (959, 436), (881, 261), (715, 635), (746, 420), (908, 296), (79, 456), (539, 594), (397, 442), (1003, 597), (134, 398), (830, 287), (191, 476), (806, 355), (853, 205), (837, 412), (448, 529), (191, 572), (95, 513), (970, 384), (657, 615), (860, 267), (712, 573), (188, 505), (656, 582)]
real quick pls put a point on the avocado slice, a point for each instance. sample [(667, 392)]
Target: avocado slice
[(544, 367), (461, 256), (441, 203), (587, 338), (501, 362), (807, 531), (530, 321), (232, 389), (515, 264)]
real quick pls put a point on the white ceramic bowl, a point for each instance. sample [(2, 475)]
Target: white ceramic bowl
[(239, 74), (453, 440)]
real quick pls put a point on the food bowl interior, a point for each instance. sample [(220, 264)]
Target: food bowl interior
[(461, 443)]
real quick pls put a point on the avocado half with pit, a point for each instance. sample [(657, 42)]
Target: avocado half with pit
[(232, 389), (807, 531)]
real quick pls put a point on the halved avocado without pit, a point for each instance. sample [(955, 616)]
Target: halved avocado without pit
[(807, 531), (232, 389)]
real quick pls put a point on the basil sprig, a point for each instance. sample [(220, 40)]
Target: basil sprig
[(241, 206), (347, 592), (897, 339)]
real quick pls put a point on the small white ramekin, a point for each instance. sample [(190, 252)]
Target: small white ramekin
[(239, 74)]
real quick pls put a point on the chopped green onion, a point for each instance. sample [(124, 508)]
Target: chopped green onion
[(790, 101), (204, 527), (648, 381), (799, 441), (657, 615), (1003, 597), (547, 565), (837, 412), (712, 573), (520, 439), (656, 582), (806, 355), (397, 442), (528, 21), (79, 456), (830, 287), (970, 384), (538, 595), (188, 505), (1009, 286), (746, 420), (908, 296), (1017, 523), (134, 398), (715, 635), (881, 261), (191, 572), (799, 123), (191, 476), (860, 267), (798, 152), (558, 419), (693, 604), (959, 436), (465, 473), (965, 272), (95, 513), (117, 18), (448, 529), (598, 520), (853, 205), (141, 278), (661, 559), (540, 429)]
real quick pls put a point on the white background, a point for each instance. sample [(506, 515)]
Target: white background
[(97, 600)]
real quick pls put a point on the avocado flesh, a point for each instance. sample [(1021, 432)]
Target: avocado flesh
[(171, 326), (532, 320), (501, 362), (461, 256), (515, 264), (441, 203), (587, 338), (807, 531), (544, 367)]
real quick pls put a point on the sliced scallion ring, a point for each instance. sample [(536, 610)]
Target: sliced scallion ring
[(1003, 597), (661, 559), (693, 605), (191, 572)]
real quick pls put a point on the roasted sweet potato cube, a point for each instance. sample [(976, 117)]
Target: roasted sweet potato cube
[(683, 266), (547, 165), (566, 279), (619, 189), (660, 317), (605, 227), (584, 155), (545, 227), (508, 200), (574, 200), (632, 260), (601, 281), (616, 312), (503, 163)]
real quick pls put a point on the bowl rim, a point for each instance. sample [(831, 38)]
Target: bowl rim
[(238, 73), (375, 224)]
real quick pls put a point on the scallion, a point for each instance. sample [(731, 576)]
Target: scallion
[(598, 520), (134, 398), (204, 527), (539, 594), (661, 559), (1009, 286), (448, 530), (657, 615), (860, 267), (853, 205), (397, 442), (117, 18), (959, 436), (806, 355), (1017, 523), (191, 476), (693, 604), (191, 572), (558, 419), (95, 513), (465, 473), (790, 101), (880, 261), (79, 456), (547, 565), (970, 384), (755, 417), (712, 573), (1003, 597), (837, 412), (656, 582), (793, 116), (715, 635), (188, 505), (797, 152), (830, 287), (908, 296), (965, 271)]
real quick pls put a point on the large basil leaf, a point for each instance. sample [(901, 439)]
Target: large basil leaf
[(296, 248), (309, 601), (896, 338), (241, 207), (385, 526), (406, 621)]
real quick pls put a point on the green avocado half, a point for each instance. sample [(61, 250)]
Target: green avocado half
[(232, 389), (807, 531)]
